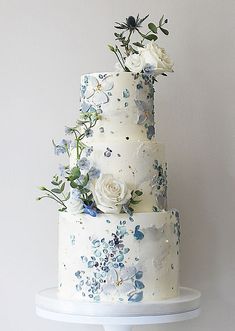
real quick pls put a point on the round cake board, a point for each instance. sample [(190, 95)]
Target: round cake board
[(118, 316)]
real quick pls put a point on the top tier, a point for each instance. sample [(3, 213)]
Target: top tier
[(125, 102)]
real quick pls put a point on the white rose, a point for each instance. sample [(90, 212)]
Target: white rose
[(74, 206), (110, 194), (156, 57), (135, 63)]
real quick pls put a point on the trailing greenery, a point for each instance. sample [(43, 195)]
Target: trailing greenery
[(73, 177)]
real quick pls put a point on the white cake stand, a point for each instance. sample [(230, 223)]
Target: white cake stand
[(118, 317)]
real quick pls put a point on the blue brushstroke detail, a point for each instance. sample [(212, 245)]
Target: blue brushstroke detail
[(136, 297), (139, 275), (139, 284), (138, 234)]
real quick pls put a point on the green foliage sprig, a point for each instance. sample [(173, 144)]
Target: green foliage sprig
[(134, 200), (56, 193), (82, 129), (124, 38)]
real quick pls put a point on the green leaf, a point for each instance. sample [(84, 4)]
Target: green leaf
[(138, 193), (73, 184), (161, 20), (67, 197), (151, 37), (166, 32), (74, 174), (111, 48), (152, 27), (62, 187), (54, 183), (138, 44), (56, 190), (143, 19), (135, 202), (62, 209)]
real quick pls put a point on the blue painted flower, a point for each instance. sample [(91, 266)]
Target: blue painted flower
[(120, 283), (97, 90), (94, 173), (83, 163)]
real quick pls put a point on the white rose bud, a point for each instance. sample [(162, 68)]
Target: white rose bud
[(135, 63), (110, 194), (156, 57)]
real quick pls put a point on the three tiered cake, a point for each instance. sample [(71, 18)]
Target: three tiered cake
[(113, 256), (117, 240)]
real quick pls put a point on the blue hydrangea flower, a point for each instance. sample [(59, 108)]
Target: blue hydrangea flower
[(88, 151), (59, 150), (62, 147), (83, 163), (94, 173)]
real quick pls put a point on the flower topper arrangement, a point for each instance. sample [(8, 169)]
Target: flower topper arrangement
[(144, 55)]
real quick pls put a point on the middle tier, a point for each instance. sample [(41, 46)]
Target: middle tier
[(139, 165)]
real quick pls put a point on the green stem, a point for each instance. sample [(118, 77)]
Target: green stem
[(55, 196), (122, 64), (128, 41)]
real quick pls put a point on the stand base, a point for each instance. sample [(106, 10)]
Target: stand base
[(118, 317)]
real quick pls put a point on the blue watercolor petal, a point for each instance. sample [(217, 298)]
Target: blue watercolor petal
[(126, 93), (136, 297), (138, 234), (139, 284), (139, 275)]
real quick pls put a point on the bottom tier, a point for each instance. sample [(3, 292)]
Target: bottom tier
[(114, 258)]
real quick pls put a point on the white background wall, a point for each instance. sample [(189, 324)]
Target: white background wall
[(45, 45)]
